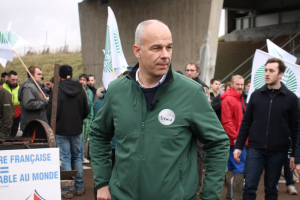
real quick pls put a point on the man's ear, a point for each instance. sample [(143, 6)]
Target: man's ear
[(137, 50)]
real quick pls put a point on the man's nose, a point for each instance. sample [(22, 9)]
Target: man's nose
[(165, 53)]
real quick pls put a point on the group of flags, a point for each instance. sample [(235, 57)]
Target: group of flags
[(8, 41)]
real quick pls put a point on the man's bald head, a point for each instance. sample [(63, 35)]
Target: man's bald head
[(140, 30)]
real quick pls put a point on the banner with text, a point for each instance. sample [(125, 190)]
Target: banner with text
[(290, 78), (30, 174)]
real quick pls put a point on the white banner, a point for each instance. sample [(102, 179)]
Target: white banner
[(30, 174), (114, 57), (290, 78), (6, 51), (278, 52)]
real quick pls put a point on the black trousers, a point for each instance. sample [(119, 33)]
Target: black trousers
[(200, 162), (15, 127)]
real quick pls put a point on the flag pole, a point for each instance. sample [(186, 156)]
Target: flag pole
[(37, 85), (113, 72), (31, 75)]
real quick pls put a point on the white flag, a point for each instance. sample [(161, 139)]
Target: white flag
[(290, 78), (6, 51), (14, 39), (114, 57), (278, 52)]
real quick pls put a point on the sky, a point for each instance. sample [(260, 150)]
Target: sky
[(32, 19), (58, 19)]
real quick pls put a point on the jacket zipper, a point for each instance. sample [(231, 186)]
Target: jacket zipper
[(180, 182), (141, 146), (142, 140), (268, 123), (134, 117)]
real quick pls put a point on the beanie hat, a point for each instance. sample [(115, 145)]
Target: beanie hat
[(65, 71)]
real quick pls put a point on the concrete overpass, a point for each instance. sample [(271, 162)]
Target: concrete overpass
[(194, 25)]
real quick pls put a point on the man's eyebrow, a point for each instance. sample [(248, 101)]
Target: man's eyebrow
[(159, 45)]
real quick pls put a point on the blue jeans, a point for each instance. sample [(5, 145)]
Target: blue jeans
[(70, 154), (236, 167), (258, 160), (288, 174)]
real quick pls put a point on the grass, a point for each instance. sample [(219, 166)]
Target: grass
[(46, 62)]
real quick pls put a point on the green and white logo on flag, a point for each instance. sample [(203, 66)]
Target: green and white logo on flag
[(11, 37), (3, 40), (6, 51), (288, 78), (107, 56)]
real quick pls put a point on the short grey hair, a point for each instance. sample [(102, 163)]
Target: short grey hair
[(140, 29)]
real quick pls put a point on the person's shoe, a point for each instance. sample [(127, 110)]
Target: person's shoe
[(85, 161), (67, 194), (281, 181), (80, 192), (292, 190)]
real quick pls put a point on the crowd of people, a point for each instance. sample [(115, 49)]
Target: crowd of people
[(154, 131)]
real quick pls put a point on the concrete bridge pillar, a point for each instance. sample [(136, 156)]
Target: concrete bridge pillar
[(194, 25)]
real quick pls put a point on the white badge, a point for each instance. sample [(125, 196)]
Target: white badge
[(166, 117)]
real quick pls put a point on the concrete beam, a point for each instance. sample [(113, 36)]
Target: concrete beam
[(239, 5), (194, 25), (210, 15)]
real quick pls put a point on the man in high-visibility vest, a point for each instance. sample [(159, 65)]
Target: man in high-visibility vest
[(12, 87)]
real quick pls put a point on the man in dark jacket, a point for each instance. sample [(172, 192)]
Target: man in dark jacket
[(215, 99), (271, 123), (72, 108), (232, 111), (33, 104), (157, 129), (7, 112)]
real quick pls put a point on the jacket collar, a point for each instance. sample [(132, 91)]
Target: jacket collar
[(169, 77), (231, 92), (283, 89)]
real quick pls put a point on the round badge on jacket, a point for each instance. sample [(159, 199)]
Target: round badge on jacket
[(166, 117)]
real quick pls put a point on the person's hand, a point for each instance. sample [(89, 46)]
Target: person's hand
[(103, 193), (49, 84), (47, 98), (236, 155), (234, 141), (292, 163), (298, 168)]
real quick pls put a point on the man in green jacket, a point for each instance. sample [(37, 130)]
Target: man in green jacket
[(7, 112), (158, 115)]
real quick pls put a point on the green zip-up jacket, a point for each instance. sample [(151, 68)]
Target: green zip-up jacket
[(156, 151)]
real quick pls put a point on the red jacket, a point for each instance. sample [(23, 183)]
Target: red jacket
[(232, 113)]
